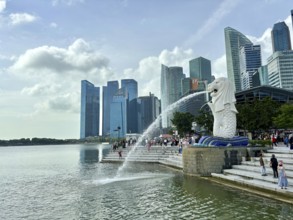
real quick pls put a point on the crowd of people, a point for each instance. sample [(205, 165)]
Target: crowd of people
[(278, 170)]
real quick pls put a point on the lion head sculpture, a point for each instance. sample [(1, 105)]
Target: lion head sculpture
[(222, 92)]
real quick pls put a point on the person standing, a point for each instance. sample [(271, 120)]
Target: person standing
[(262, 166), (274, 166), (283, 182), (291, 142)]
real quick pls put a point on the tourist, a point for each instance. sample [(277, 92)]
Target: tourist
[(291, 142), (286, 140), (120, 152), (262, 166), (274, 166), (283, 182), (274, 140)]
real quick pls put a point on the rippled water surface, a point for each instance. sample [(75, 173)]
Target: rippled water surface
[(68, 182)]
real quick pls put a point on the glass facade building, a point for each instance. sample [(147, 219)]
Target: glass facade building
[(118, 114), (250, 61), (281, 37), (280, 69), (149, 109), (233, 41), (131, 88), (108, 93), (200, 68), (90, 110), (170, 90), (130, 85)]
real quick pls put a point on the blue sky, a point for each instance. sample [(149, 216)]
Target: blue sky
[(48, 47)]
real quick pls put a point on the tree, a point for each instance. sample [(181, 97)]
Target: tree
[(183, 122), (257, 115), (284, 119), (205, 119)]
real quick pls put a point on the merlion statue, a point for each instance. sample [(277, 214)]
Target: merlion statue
[(223, 108)]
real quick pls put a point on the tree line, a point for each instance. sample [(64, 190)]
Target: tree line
[(255, 117)]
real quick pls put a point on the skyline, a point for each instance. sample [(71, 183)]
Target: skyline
[(48, 47)]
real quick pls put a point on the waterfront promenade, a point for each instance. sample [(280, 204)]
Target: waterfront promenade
[(245, 176)]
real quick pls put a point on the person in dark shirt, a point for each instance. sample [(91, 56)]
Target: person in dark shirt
[(274, 166)]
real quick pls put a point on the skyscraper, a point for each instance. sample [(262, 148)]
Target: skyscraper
[(200, 69), (149, 109), (130, 85), (250, 61), (170, 89), (292, 17), (131, 88), (280, 69), (90, 110), (108, 93), (118, 114), (281, 37), (233, 41)]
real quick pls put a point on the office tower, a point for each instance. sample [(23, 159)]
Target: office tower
[(149, 109), (131, 88), (233, 41), (90, 110), (281, 37), (292, 17), (118, 114), (130, 85), (200, 68), (250, 61), (108, 93), (260, 77), (280, 69), (170, 90)]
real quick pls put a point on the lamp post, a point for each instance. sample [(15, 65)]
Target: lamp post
[(118, 129)]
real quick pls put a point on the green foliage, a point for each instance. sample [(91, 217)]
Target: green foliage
[(260, 143), (284, 119), (257, 115), (183, 122), (205, 119)]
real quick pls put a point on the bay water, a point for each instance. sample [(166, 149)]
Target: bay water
[(69, 182)]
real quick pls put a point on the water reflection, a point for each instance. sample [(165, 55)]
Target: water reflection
[(89, 155)]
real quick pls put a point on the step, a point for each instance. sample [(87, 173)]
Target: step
[(256, 183)]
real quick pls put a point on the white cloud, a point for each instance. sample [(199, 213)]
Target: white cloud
[(219, 67), (225, 8), (53, 25), (67, 2), (21, 18), (53, 74), (148, 73), (2, 5)]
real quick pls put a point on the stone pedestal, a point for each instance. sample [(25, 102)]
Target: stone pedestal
[(202, 161)]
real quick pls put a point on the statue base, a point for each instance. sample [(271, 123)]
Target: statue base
[(210, 141)]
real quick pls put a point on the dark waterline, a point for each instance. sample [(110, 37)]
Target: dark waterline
[(68, 182)]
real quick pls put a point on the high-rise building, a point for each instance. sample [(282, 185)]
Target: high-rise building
[(90, 110), (260, 77), (280, 69), (233, 41), (200, 69), (170, 90), (149, 109), (130, 85), (108, 93), (281, 37), (250, 61), (292, 17), (131, 88), (118, 114)]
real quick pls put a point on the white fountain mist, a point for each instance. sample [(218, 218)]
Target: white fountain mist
[(154, 125)]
